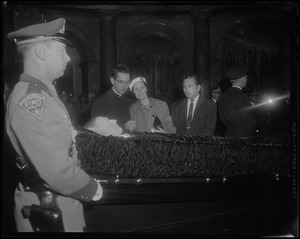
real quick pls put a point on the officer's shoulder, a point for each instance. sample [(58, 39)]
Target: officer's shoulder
[(33, 91), (23, 90), (33, 102)]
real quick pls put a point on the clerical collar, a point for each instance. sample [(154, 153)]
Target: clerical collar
[(237, 87), (116, 92)]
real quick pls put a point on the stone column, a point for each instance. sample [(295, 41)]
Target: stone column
[(201, 19), (84, 74), (77, 81), (108, 48)]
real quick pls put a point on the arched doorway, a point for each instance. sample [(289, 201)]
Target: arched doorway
[(156, 59), (261, 53), (158, 53), (264, 46)]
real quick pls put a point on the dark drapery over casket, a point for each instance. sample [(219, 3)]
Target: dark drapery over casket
[(158, 155), (187, 180)]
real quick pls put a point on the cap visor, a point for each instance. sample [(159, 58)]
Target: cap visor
[(65, 41)]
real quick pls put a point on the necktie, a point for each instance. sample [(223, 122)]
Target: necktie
[(189, 119)]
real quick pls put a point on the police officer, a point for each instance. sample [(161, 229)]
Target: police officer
[(235, 109), (43, 136)]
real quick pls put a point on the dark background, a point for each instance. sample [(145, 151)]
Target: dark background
[(163, 42)]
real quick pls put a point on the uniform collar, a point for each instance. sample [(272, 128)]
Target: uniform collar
[(43, 85)]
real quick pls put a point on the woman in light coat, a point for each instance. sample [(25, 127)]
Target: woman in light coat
[(151, 115)]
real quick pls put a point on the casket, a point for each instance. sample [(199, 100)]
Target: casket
[(155, 182)]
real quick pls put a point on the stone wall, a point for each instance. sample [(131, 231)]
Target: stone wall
[(83, 27)]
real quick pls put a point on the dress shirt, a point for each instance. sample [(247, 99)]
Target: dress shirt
[(194, 105)]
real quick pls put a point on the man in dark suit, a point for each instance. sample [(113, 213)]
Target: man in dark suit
[(235, 109), (194, 115), (114, 104), (220, 128)]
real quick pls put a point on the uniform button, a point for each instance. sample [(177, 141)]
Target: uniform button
[(35, 84)]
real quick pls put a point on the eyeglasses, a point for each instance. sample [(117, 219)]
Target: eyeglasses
[(122, 82)]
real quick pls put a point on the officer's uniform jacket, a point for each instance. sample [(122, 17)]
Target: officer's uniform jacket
[(236, 113), (40, 130)]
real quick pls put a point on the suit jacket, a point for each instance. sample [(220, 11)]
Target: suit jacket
[(220, 127), (112, 106), (40, 131), (236, 112), (204, 118)]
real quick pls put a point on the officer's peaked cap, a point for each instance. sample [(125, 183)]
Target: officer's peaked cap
[(38, 32), (216, 90), (236, 71)]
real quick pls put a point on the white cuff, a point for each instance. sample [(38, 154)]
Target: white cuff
[(99, 193)]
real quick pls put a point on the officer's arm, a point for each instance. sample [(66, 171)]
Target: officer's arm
[(46, 142), (248, 116)]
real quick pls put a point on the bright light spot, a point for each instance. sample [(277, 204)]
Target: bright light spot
[(270, 101)]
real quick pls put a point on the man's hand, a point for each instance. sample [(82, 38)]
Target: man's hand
[(130, 125)]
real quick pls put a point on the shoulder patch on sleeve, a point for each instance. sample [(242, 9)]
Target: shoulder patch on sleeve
[(34, 104)]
